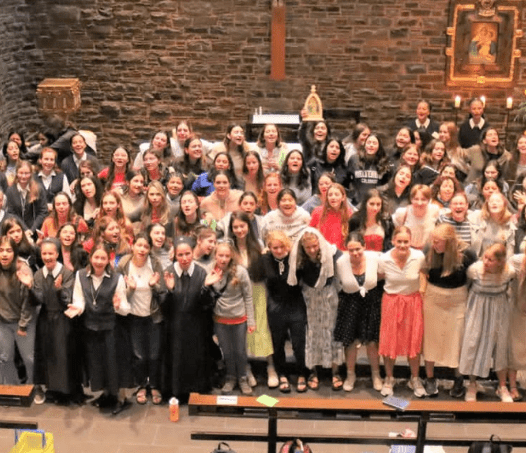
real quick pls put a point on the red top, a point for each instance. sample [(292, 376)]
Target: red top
[(331, 228)]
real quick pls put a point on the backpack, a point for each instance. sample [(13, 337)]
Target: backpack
[(295, 446)]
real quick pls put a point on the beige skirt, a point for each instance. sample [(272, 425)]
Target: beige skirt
[(517, 347), (444, 310)]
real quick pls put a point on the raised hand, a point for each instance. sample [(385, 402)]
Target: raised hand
[(24, 275), (169, 279), (72, 311), (58, 281), (154, 279), (130, 282), (213, 277)]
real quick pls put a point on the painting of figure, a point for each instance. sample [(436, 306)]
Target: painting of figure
[(483, 45)]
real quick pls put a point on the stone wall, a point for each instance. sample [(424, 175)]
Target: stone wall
[(146, 63)]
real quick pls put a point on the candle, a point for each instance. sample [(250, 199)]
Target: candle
[(483, 99), (509, 103), (457, 102)]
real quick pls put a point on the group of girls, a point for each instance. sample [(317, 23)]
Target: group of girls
[(116, 278)]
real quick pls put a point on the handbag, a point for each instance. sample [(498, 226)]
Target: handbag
[(494, 445), (220, 449)]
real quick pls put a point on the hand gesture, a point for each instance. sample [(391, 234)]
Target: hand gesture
[(21, 333), (213, 277), (169, 279), (116, 302), (251, 329), (58, 282), (130, 282), (171, 254), (154, 279), (304, 113), (72, 311), (24, 275)]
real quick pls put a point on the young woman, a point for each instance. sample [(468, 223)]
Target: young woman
[(431, 161), (88, 197), (359, 307), (369, 168), (204, 183), (235, 145), (253, 174), (25, 199), (332, 161), (111, 206), (99, 293), (183, 130), (188, 312), (204, 248), (17, 320), (288, 217), (161, 246), (159, 142), (50, 178), (296, 176), (411, 156), (224, 199), (109, 231), (518, 162), (249, 249), (447, 262), (373, 222), (78, 153), (312, 264), (356, 140), (71, 253), (332, 219), (174, 189), (18, 138), (448, 134), (286, 312), (12, 157), (55, 346), (133, 197), (189, 216), (156, 208), (153, 168), (248, 204), (61, 213), (268, 198), (26, 249), (421, 216), (142, 275), (318, 199), (404, 137), (491, 170), (114, 176), (398, 189), (486, 338), (312, 136), (402, 299), (233, 314), (458, 217), (271, 148), (443, 190)]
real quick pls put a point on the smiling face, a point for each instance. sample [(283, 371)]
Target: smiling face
[(402, 243), (447, 189), (141, 249), (16, 138), (240, 228), (99, 260), (207, 244), (438, 152), (158, 236), (223, 256), (311, 246), (184, 256), (183, 132), (410, 156), (109, 205), (422, 111), (333, 151), (403, 138), (188, 204), (174, 186), (13, 151), (23, 175), (320, 131), (371, 145), (294, 162), (491, 139), (439, 244), (159, 141), (287, 205), (78, 145), (335, 198), (120, 158), (363, 136), (7, 255), (47, 161), (237, 135), (221, 162), (194, 150), (151, 161), (476, 109), (67, 235), (521, 145), (278, 249), (272, 185), (137, 184), (443, 134), (49, 256), (222, 185), (270, 134)]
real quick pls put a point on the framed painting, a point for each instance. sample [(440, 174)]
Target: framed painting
[(482, 46)]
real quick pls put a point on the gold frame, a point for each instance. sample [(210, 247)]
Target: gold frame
[(497, 67)]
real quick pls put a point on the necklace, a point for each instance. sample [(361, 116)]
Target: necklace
[(92, 287)]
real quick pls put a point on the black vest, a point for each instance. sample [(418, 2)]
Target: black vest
[(99, 314), (56, 186)]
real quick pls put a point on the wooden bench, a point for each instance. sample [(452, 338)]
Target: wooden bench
[(16, 395), (421, 411)]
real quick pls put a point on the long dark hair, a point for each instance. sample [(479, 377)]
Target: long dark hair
[(253, 247), (230, 172), (260, 177), (11, 270), (180, 220), (361, 214), (340, 160), (304, 176), (81, 198), (111, 171), (379, 159)]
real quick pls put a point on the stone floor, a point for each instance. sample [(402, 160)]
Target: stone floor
[(147, 429)]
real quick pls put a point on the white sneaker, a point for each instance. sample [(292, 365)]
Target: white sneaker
[(471, 393), (251, 378), (387, 387), (415, 384), (377, 382), (504, 394), (40, 395), (273, 380), (348, 384)]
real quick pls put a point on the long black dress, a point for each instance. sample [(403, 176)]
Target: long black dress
[(188, 311)]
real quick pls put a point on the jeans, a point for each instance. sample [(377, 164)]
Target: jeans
[(233, 342), (26, 347), (146, 345)]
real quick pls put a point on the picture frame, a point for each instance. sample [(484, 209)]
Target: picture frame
[(482, 48)]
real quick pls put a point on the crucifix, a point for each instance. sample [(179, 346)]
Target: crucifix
[(277, 40)]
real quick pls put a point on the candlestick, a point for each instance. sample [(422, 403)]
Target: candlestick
[(509, 103), (483, 100), (457, 102)]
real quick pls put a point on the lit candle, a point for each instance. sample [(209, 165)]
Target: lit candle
[(483, 99), (509, 103), (457, 102)]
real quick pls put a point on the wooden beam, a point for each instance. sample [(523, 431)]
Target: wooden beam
[(277, 41)]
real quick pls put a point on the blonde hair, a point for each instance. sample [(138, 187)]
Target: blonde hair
[(451, 259), (302, 255), (505, 215), (232, 266), (420, 188), (278, 236), (498, 250)]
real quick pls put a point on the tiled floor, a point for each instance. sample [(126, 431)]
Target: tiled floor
[(147, 429)]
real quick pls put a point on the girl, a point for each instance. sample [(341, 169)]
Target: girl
[(312, 136), (204, 185), (286, 312), (253, 174), (12, 157), (233, 314), (487, 322), (159, 142), (223, 199), (271, 148), (111, 206), (99, 293), (156, 208), (458, 217), (235, 145), (288, 217), (61, 213), (204, 248), (71, 253), (55, 345), (448, 134), (318, 199), (51, 180), (142, 275), (161, 247), (247, 204), (114, 176), (356, 140), (432, 159), (332, 161), (188, 311), (398, 189), (154, 169), (420, 217), (373, 222), (26, 200), (88, 197), (189, 216), (312, 263), (26, 250), (443, 189), (369, 168), (359, 307), (78, 153), (401, 267), (268, 198), (411, 157), (447, 261), (519, 156), (404, 138), (133, 197), (109, 230), (491, 171), (17, 319), (174, 188), (332, 220), (296, 176)]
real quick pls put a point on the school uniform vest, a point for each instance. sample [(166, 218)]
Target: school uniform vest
[(99, 313), (56, 186)]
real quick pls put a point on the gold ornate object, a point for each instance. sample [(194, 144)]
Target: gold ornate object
[(313, 106), (59, 96)]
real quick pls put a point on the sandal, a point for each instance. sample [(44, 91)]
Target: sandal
[(337, 382), (284, 386), (140, 396), (301, 385), (515, 394), (313, 382), (157, 398)]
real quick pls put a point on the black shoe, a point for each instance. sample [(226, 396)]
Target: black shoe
[(100, 401), (121, 406), (431, 387), (109, 404), (458, 389)]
